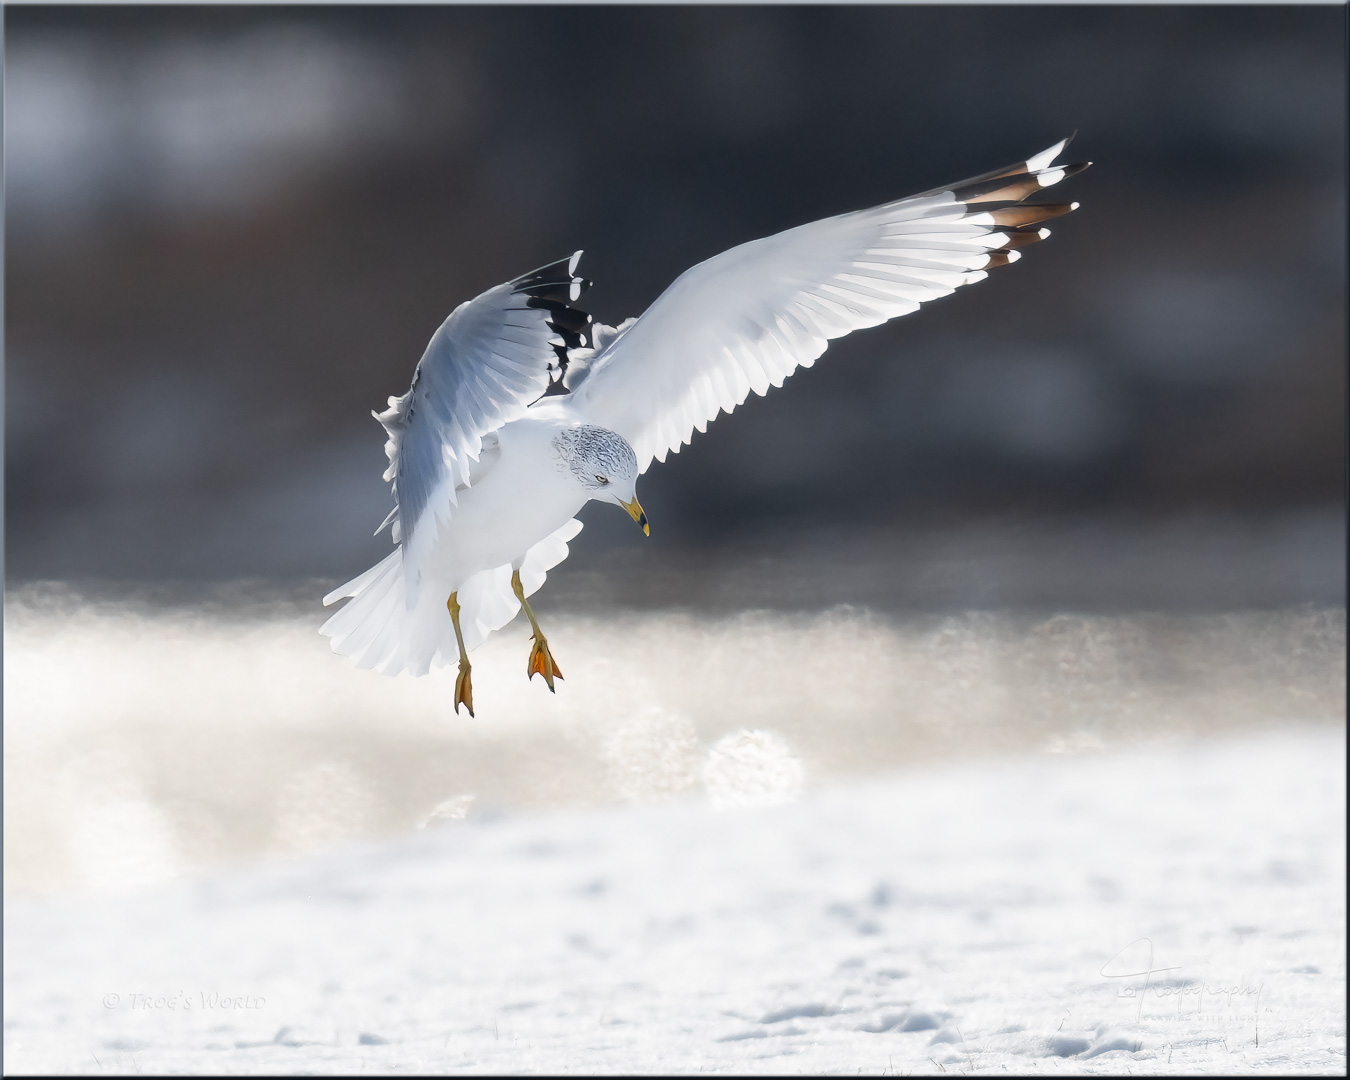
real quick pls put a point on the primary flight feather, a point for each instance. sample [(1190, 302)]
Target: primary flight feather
[(514, 421)]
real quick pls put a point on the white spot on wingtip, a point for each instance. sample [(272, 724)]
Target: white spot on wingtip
[(1013, 256), (572, 263), (574, 291), (1043, 233), (1041, 160), (1074, 205), (1050, 176)]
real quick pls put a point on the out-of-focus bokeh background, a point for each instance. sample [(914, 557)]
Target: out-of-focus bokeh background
[(1089, 509), (1062, 504), (231, 232)]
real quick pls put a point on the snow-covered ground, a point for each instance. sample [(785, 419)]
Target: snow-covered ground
[(1174, 907), (837, 842)]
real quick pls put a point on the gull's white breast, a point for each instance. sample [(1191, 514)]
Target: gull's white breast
[(524, 495)]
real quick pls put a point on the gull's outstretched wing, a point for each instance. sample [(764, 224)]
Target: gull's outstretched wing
[(483, 367), (747, 318)]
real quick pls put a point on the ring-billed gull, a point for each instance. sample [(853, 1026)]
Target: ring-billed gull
[(522, 408)]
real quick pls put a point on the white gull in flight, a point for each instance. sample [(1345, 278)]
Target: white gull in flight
[(515, 419)]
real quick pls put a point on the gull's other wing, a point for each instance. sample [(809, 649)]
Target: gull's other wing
[(483, 367), (747, 318)]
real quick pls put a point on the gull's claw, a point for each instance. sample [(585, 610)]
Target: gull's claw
[(464, 689), (542, 663)]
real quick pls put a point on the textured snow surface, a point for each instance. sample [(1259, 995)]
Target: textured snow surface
[(1175, 908)]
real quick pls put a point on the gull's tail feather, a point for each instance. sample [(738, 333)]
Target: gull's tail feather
[(377, 629)]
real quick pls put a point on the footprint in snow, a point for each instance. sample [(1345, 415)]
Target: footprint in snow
[(1068, 1045), (1105, 1042), (794, 1012), (912, 1020)]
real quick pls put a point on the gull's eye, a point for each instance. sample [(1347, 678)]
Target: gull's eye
[(601, 479)]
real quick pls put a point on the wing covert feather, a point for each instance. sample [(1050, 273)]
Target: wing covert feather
[(746, 319), (491, 358)]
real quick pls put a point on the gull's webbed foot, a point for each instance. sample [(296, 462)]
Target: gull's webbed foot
[(464, 688), (542, 662)]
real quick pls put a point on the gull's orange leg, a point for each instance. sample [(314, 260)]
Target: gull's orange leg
[(463, 684), (541, 661)]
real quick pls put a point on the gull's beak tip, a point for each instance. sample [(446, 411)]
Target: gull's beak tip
[(639, 515)]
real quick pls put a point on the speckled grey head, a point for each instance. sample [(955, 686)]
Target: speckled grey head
[(599, 458)]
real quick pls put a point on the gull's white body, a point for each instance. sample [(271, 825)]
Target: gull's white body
[(515, 503), (481, 485), (514, 516)]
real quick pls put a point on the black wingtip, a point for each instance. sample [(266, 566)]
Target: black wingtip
[(556, 288), (556, 281)]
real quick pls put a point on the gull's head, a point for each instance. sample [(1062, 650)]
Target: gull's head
[(604, 465)]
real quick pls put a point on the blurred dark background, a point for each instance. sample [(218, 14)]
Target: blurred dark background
[(230, 232)]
